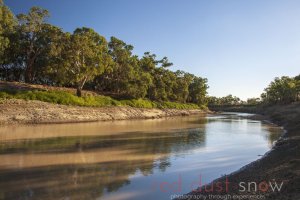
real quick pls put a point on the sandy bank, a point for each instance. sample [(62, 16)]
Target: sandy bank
[(15, 111)]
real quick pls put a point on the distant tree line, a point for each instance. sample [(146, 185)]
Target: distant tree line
[(34, 51), (283, 90), (227, 100)]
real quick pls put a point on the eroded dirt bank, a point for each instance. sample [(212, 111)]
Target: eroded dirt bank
[(15, 111), (281, 164)]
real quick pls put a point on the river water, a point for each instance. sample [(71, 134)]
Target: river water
[(137, 159)]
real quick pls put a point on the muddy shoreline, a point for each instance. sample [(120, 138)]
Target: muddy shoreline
[(17, 111), (281, 164)]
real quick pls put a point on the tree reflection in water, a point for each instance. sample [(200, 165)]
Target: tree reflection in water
[(98, 164)]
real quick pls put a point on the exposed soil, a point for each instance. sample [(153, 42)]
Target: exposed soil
[(17, 111)]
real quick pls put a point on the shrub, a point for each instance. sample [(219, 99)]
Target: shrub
[(67, 98)]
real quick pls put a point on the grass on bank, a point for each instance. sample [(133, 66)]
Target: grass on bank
[(67, 98)]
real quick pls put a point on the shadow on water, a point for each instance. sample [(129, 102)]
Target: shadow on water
[(140, 142), (72, 181), (87, 166)]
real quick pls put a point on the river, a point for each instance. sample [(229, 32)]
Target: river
[(136, 159)]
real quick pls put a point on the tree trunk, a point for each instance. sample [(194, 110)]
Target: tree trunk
[(78, 91), (80, 86), (29, 71), (28, 74)]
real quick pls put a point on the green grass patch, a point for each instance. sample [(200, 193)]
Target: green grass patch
[(67, 98), (60, 97), (139, 103), (176, 105), (143, 103)]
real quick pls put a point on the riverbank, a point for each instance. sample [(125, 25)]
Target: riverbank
[(280, 165), (66, 96), (18, 111), (22, 103)]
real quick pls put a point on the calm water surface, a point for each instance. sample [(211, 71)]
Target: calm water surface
[(139, 159)]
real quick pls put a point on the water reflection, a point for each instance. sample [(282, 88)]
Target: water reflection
[(121, 160), (97, 149)]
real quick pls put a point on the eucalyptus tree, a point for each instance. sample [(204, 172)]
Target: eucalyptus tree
[(253, 101), (124, 77), (7, 28), (162, 78), (198, 90), (181, 86), (282, 90), (7, 25), (140, 82), (213, 101), (148, 62), (122, 69), (84, 56), (32, 30)]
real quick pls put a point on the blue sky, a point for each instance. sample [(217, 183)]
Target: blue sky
[(239, 45)]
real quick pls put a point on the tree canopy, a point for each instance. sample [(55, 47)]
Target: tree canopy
[(7, 28), (282, 90), (34, 51)]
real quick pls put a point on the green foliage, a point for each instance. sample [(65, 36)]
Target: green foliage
[(198, 90), (67, 98), (84, 56), (60, 97), (139, 103), (176, 105), (142, 103), (124, 77), (228, 100), (32, 40), (282, 90), (7, 25), (253, 101)]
